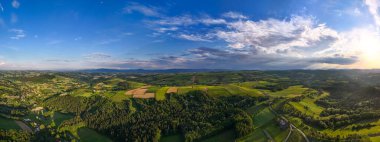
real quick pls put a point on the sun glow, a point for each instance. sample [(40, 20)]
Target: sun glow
[(369, 46)]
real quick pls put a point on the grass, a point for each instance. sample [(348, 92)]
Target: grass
[(265, 120), (8, 124), (60, 117), (375, 139), (256, 136), (225, 136), (308, 106), (254, 84), (135, 85), (237, 90), (89, 135), (348, 130), (211, 90), (82, 92), (292, 91), (160, 93), (263, 117), (172, 138), (73, 129), (276, 132), (152, 89), (120, 96)]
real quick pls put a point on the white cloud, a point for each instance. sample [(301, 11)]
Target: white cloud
[(273, 36), (146, 10), (164, 29), (15, 4), (211, 21), (234, 15), (19, 33), (373, 7), (192, 37)]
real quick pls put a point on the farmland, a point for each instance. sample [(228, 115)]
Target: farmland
[(216, 106)]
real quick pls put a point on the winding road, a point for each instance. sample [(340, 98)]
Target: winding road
[(291, 126)]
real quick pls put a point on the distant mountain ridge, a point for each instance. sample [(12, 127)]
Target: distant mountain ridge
[(105, 70)]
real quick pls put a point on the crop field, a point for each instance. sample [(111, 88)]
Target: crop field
[(172, 90)]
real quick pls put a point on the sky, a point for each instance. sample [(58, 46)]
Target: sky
[(189, 34)]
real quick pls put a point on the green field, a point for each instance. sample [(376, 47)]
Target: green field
[(172, 138), (237, 90), (265, 120), (225, 136), (7, 124), (88, 135), (255, 84), (119, 96), (292, 91), (160, 93), (134, 85), (60, 117), (308, 106), (211, 90)]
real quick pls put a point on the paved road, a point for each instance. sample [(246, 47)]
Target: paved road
[(24, 126), (290, 132), (268, 136)]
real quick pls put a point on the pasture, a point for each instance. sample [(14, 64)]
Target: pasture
[(290, 92), (6, 124), (89, 135)]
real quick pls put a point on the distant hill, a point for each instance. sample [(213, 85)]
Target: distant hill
[(150, 71)]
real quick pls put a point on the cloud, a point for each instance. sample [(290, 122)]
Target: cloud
[(373, 7), (1, 8), (15, 4), (97, 56), (146, 10), (192, 37), (109, 41), (19, 34), (234, 15), (166, 29), (272, 34)]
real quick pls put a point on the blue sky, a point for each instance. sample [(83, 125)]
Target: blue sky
[(225, 34)]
